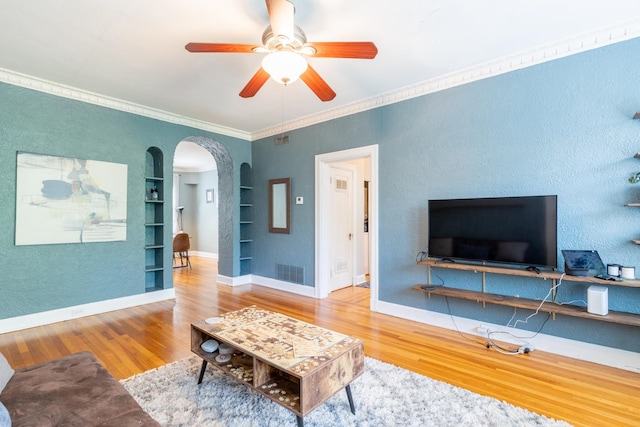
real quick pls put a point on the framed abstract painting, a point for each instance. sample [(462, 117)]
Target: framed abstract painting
[(69, 200)]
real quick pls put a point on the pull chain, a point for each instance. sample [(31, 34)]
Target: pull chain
[(282, 113)]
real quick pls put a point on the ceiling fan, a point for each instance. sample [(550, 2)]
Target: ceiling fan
[(286, 45)]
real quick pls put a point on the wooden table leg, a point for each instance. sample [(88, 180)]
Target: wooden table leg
[(351, 405), (204, 366)]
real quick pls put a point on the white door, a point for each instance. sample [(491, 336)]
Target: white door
[(341, 229)]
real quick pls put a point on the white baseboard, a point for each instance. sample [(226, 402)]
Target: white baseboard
[(59, 315), (209, 255), (608, 356), (234, 281), (361, 278), (307, 291)]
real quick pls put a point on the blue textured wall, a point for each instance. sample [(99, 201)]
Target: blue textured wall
[(562, 127), (46, 277)]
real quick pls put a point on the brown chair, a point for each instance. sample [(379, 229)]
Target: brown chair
[(181, 247)]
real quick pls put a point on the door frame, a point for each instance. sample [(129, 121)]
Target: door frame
[(322, 207)]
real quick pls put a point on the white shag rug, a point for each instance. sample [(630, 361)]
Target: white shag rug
[(384, 395)]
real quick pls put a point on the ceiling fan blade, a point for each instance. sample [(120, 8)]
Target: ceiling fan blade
[(254, 85), (357, 50), (281, 18), (317, 84), (220, 47)]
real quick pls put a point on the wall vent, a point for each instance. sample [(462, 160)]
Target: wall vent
[(341, 184), (282, 139), (341, 265), (290, 273)]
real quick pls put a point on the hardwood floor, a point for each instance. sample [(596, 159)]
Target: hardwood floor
[(131, 341)]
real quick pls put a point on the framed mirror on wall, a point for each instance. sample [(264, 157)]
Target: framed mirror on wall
[(280, 205)]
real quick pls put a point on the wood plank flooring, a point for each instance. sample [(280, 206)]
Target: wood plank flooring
[(131, 341)]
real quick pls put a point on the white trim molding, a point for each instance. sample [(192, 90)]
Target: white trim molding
[(58, 89), (307, 291), (322, 205), (235, 281), (608, 356), (593, 40), (59, 315), (588, 41), (209, 255), (252, 279)]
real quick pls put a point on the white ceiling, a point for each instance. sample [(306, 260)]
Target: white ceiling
[(190, 157), (133, 50)]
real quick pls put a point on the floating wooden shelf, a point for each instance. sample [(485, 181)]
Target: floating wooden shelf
[(529, 304), (547, 307), (553, 275)]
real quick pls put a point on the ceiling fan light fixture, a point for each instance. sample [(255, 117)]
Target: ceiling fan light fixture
[(284, 66)]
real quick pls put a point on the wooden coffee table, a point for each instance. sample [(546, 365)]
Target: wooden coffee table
[(296, 364)]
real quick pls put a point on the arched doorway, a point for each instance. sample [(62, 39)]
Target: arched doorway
[(224, 201)]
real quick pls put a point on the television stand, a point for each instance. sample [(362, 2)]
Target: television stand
[(531, 304)]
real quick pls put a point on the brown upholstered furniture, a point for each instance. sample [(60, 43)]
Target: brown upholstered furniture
[(74, 390), (181, 246)]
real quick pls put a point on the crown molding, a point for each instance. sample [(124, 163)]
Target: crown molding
[(582, 43), (57, 89), (625, 31)]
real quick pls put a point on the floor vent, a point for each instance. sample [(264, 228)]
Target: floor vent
[(290, 273)]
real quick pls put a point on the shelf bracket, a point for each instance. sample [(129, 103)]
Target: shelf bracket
[(484, 288)]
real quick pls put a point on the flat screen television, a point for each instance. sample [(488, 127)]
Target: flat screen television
[(511, 230)]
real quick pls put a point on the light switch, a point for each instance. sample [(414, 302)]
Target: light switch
[(299, 200)]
